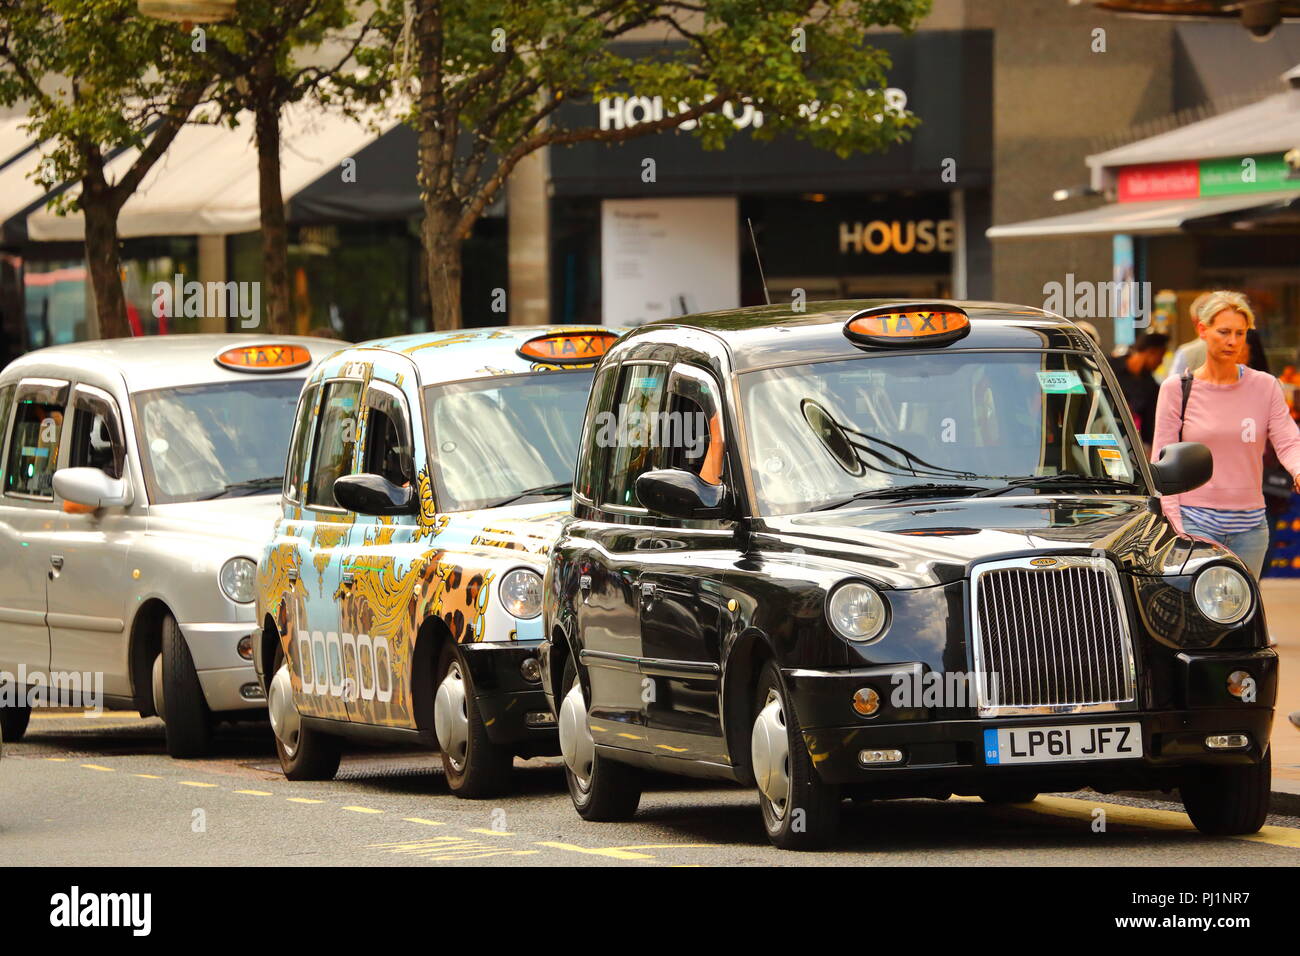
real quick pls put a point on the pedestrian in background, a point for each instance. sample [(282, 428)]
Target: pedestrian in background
[(1235, 411), (1134, 370)]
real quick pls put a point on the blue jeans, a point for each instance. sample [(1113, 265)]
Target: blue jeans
[(1249, 545)]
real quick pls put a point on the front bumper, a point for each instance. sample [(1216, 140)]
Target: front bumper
[(506, 699), (229, 681), (943, 751)]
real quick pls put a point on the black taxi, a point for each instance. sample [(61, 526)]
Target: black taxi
[(888, 549)]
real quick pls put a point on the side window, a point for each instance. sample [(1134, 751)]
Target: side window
[(388, 449), (336, 439), (96, 435), (592, 458), (293, 472), (695, 440), (635, 433), (34, 441)]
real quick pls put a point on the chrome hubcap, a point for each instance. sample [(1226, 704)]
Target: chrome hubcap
[(158, 688), (451, 717), (285, 720), (769, 749), (576, 742)]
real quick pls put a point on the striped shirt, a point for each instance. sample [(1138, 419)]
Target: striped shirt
[(1222, 520)]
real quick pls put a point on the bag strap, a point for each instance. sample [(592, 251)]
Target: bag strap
[(1187, 393)]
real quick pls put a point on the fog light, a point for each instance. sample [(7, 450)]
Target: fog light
[(538, 718), (252, 691), (1227, 742), (1241, 684), (245, 647), (531, 670), (870, 758), (866, 702)]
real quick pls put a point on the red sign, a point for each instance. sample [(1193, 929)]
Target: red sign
[(1181, 180)]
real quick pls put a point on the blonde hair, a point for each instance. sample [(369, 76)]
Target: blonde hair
[(1206, 307)]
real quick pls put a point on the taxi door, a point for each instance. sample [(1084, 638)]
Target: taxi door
[(27, 513), (680, 609), (316, 654), (87, 588)]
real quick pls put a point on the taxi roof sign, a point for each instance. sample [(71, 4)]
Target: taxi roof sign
[(904, 326), (269, 357), (569, 348)]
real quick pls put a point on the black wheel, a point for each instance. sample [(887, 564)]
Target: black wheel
[(601, 788), (800, 811), (475, 767), (13, 719), (1228, 801), (1000, 795), (305, 754), (182, 706)]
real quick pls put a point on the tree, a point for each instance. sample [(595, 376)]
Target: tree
[(96, 79), (256, 56), (492, 75)]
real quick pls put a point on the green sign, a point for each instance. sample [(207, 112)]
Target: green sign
[(1245, 174)]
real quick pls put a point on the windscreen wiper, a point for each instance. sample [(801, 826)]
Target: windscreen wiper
[(1067, 478), (900, 491), (252, 485), (560, 488)]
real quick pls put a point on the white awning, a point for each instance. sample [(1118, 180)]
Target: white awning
[(206, 182), (1141, 218)]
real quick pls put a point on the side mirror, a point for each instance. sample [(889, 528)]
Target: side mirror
[(1181, 467), (92, 489), (680, 494), (374, 495)]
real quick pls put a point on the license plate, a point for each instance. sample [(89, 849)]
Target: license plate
[(1003, 745)]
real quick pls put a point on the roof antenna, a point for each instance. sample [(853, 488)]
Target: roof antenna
[(758, 259)]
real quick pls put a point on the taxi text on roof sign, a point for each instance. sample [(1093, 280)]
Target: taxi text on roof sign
[(264, 358), (899, 326), (565, 347)]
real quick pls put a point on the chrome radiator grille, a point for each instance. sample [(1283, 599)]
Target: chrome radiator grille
[(1051, 637)]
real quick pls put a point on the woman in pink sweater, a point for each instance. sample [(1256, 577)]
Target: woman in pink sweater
[(1236, 411)]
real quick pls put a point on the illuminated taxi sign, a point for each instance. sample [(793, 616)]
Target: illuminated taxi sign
[(901, 326), (264, 358), (563, 348)]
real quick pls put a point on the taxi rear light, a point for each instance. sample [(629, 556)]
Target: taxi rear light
[(569, 348), (907, 325)]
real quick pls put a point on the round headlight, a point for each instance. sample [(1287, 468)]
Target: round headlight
[(521, 593), (238, 578), (856, 611), (1222, 594)]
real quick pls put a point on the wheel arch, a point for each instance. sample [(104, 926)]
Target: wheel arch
[(145, 645), (429, 641), (745, 660)]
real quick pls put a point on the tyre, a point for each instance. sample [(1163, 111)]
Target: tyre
[(601, 788), (305, 753), (1001, 795), (1229, 801), (13, 720), (800, 811), (475, 767), (183, 707)]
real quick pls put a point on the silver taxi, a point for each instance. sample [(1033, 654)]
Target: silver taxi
[(138, 481)]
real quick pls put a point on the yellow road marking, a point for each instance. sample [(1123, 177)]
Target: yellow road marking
[(256, 793), (57, 759), (302, 800), (427, 823), (363, 810), (147, 776), (194, 783), (1079, 809), (490, 832), (447, 848), (609, 851), (95, 766), (676, 750), (629, 736), (669, 846)]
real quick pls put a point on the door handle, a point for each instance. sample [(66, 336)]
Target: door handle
[(648, 593), (348, 578), (57, 561), (584, 586), (293, 574)]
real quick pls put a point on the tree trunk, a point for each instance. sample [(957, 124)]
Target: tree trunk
[(102, 261), (275, 229), (442, 268)]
